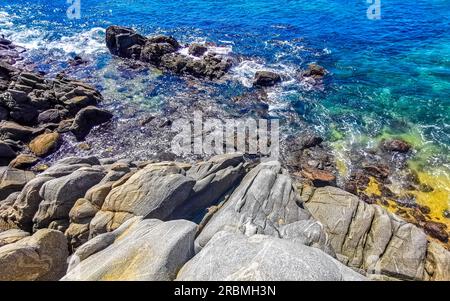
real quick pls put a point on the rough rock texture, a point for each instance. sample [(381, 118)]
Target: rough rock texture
[(11, 236), (162, 52), (368, 237), (153, 192), (138, 250), (437, 264), (39, 257), (396, 145), (31, 105), (264, 202), (13, 180), (235, 257), (266, 78)]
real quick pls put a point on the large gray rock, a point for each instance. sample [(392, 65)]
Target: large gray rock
[(42, 256), (138, 250), (264, 201), (153, 192), (235, 257), (404, 256), (368, 237), (213, 179), (59, 195)]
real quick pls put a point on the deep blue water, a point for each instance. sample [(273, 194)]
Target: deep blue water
[(388, 77)]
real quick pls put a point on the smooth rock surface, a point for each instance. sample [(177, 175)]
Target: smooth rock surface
[(149, 250), (235, 257), (59, 195), (153, 192)]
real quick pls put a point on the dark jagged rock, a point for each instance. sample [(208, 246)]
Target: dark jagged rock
[(319, 178), (161, 52), (120, 41), (197, 49), (436, 230), (86, 119), (6, 153), (31, 104), (266, 78)]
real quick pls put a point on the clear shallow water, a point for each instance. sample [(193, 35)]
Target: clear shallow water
[(389, 77)]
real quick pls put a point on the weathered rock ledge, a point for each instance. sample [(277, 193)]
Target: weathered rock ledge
[(224, 219)]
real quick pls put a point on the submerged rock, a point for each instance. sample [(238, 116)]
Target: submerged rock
[(315, 71), (396, 145)]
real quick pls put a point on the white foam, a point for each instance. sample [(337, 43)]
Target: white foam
[(88, 42)]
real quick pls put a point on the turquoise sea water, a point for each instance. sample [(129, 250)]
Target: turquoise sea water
[(388, 77)]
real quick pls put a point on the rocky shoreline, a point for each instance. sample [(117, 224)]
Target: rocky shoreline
[(216, 218), (230, 217), (35, 111)]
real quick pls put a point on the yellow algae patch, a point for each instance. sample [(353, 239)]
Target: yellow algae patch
[(373, 188), (437, 200)]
